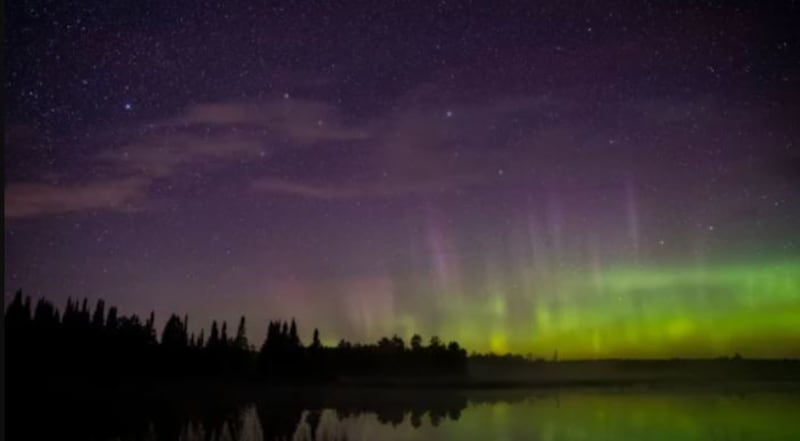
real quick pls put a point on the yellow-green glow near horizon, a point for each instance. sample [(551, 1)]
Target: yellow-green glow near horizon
[(639, 312)]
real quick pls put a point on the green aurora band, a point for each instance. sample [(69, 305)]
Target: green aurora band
[(627, 312)]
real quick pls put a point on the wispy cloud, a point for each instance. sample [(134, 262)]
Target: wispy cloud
[(298, 120), (160, 155), (368, 189), (202, 136), (417, 148), (26, 200), (227, 132)]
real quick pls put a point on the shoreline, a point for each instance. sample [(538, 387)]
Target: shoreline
[(71, 386)]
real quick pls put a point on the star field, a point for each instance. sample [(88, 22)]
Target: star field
[(603, 181)]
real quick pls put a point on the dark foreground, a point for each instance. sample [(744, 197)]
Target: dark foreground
[(742, 399), (186, 411)]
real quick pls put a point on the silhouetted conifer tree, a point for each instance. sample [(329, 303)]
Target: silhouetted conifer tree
[(173, 335), (294, 339), (112, 321), (16, 315), (70, 314), (416, 342), (313, 419), (85, 312), (213, 338), (315, 343), (224, 337), (241, 335), (150, 327), (98, 319)]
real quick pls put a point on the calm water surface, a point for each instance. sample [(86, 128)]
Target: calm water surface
[(562, 415)]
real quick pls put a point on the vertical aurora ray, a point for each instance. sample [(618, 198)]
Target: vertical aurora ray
[(446, 279), (632, 211)]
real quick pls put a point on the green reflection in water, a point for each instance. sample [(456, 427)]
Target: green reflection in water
[(629, 416)]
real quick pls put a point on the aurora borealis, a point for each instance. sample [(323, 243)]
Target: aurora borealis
[(601, 182)]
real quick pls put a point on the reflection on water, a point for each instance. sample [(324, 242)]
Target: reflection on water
[(562, 415), (253, 423)]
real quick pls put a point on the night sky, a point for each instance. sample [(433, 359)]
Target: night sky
[(618, 181)]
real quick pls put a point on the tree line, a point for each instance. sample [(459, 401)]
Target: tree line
[(99, 342)]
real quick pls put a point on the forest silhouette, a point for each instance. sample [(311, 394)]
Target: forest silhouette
[(100, 343)]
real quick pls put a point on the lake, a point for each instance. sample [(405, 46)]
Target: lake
[(567, 414)]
